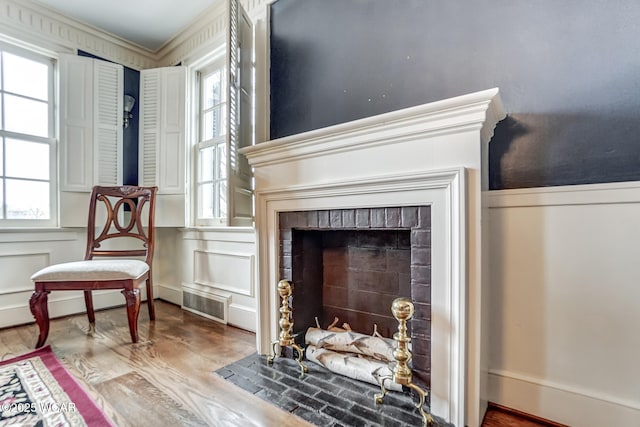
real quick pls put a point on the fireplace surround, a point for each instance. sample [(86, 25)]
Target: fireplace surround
[(431, 155), (352, 264)]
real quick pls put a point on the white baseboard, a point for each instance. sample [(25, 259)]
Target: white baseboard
[(559, 402), (61, 304), (242, 317), (172, 294)]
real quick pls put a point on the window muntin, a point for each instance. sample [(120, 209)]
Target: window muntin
[(212, 173), (27, 144)]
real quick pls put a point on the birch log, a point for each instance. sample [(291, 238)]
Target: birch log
[(351, 365), (352, 342)]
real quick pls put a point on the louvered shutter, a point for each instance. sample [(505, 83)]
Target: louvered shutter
[(91, 94), (162, 129), (149, 127), (108, 104), (241, 128)]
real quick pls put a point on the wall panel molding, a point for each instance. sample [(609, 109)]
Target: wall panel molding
[(563, 272), (17, 268), (232, 272), (566, 195)]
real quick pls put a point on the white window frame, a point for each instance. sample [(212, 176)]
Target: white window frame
[(51, 140), (214, 64), (240, 130)]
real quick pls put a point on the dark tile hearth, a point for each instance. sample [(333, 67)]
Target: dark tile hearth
[(321, 397)]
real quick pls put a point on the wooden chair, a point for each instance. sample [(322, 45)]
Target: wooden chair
[(92, 274)]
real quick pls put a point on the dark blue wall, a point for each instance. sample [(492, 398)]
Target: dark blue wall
[(568, 72), (129, 134)]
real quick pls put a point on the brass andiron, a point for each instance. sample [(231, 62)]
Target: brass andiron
[(402, 309), (285, 289)]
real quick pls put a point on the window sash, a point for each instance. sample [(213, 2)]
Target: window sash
[(211, 149), (23, 185)]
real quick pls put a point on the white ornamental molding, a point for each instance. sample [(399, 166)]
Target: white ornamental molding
[(41, 26)]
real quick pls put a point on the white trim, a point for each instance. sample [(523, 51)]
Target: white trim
[(567, 195), (561, 402), (17, 290), (205, 33), (222, 286), (444, 191), (479, 110), (439, 136), (172, 294), (580, 391), (242, 317), (23, 234), (39, 25), (220, 234), (59, 305)]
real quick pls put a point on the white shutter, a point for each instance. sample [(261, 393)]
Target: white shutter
[(76, 123), (149, 135), (172, 130), (108, 116), (91, 94), (161, 158), (241, 129)]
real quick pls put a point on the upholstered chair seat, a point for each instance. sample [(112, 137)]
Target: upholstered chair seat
[(97, 269)]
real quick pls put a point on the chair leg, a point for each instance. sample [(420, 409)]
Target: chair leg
[(39, 309), (88, 302), (150, 303), (132, 297)]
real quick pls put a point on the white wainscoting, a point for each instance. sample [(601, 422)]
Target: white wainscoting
[(22, 253), (226, 271), (221, 261), (564, 302)]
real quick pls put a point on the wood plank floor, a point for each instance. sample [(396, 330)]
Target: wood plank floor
[(167, 379)]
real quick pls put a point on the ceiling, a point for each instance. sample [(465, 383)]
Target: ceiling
[(147, 23)]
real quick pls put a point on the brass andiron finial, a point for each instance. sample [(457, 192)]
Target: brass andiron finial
[(285, 289), (402, 309)]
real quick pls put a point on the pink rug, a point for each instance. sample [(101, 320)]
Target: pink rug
[(36, 390)]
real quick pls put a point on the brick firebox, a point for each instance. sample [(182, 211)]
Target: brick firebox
[(352, 263)]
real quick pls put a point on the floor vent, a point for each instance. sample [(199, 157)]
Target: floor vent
[(206, 304)]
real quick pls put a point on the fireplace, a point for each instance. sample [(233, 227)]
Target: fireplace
[(352, 263), (433, 155)]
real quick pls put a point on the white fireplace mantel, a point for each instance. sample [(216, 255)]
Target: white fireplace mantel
[(433, 154)]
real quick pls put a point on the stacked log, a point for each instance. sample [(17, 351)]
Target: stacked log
[(359, 356)]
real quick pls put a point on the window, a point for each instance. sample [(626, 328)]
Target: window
[(27, 146), (225, 105), (212, 175)]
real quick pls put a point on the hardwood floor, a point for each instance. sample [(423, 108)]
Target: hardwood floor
[(167, 379)]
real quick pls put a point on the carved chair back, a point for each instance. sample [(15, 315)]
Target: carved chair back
[(128, 212)]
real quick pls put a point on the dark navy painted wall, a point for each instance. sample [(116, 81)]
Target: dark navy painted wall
[(568, 72), (129, 134)]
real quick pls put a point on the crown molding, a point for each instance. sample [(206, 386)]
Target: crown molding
[(44, 27), (207, 31)]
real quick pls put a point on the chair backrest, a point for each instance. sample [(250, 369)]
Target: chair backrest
[(111, 202)]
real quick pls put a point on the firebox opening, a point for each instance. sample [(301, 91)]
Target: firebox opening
[(353, 275), (352, 264)]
